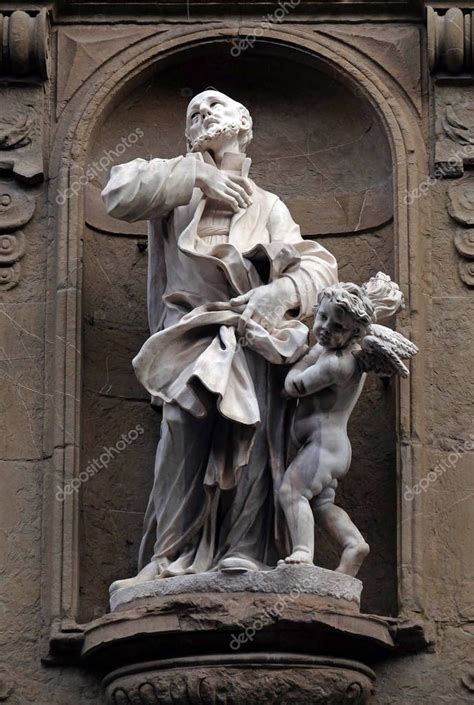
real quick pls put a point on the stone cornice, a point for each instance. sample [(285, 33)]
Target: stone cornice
[(319, 10)]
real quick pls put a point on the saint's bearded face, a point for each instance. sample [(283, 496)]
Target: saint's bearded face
[(212, 119)]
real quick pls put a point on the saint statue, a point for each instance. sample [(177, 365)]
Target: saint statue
[(230, 281)]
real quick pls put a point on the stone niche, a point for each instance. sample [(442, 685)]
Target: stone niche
[(320, 145)]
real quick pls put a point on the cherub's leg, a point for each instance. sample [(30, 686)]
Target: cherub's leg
[(339, 524), (295, 495)]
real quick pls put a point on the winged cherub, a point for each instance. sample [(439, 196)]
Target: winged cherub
[(328, 381)]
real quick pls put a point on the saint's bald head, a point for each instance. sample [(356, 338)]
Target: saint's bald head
[(213, 117)]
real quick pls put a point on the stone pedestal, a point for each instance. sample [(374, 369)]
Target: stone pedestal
[(241, 680), (291, 635)]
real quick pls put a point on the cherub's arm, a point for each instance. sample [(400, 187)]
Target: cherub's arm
[(303, 364), (310, 374)]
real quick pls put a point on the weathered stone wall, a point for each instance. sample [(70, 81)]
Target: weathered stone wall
[(344, 144)]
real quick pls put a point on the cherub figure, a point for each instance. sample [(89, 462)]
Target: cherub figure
[(328, 381)]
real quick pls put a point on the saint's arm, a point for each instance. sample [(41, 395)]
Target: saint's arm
[(318, 267), (142, 190)]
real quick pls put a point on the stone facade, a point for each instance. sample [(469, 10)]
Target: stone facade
[(375, 136)]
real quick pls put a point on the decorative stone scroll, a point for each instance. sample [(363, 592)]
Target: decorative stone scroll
[(9, 276), (21, 132), (461, 209), (16, 209), (454, 127)]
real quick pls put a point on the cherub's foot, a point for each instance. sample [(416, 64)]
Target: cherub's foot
[(352, 558), (299, 556)]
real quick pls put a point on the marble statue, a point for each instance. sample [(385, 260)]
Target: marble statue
[(230, 281), (328, 381)]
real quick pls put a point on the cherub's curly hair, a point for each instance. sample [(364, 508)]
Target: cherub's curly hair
[(351, 298)]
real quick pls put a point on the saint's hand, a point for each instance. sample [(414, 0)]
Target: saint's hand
[(232, 190), (267, 304)]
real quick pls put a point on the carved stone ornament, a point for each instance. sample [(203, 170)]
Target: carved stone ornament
[(25, 44), (12, 247), (9, 276), (468, 680), (454, 126), (21, 131), (466, 272), (464, 242), (251, 679), (461, 201), (16, 207), (450, 40), (461, 208), (458, 129)]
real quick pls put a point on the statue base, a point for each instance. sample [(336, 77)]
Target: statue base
[(292, 635), (284, 580)]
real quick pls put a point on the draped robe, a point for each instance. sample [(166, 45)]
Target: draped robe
[(224, 433)]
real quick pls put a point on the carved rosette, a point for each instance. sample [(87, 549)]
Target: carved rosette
[(461, 201), (252, 679), (461, 209)]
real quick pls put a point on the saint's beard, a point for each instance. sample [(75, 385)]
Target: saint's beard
[(213, 136)]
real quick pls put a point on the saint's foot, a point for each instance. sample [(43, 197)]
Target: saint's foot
[(150, 572), (237, 564)]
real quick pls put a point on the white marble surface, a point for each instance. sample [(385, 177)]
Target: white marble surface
[(283, 580)]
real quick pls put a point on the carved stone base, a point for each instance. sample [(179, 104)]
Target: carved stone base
[(242, 679), (238, 646)]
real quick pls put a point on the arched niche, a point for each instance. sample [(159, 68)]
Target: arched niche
[(325, 138)]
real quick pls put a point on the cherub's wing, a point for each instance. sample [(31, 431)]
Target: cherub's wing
[(397, 342), (376, 355)]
